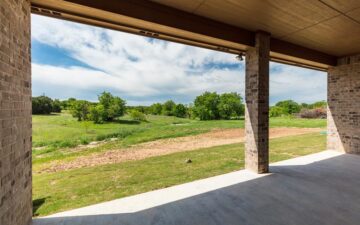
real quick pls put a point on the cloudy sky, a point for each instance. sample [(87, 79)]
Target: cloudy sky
[(75, 60)]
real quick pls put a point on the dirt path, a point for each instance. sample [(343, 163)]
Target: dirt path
[(171, 145)]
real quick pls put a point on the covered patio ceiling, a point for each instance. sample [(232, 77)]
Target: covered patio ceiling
[(310, 33)]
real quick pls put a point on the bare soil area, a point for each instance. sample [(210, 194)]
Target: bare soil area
[(167, 146)]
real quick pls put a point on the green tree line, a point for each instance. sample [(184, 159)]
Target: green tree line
[(207, 106)]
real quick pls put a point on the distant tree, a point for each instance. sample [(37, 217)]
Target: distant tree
[(156, 109), (113, 106), (56, 106), (319, 104), (304, 105), (137, 115), (190, 111), (97, 113), (230, 105), (66, 104), (168, 108), (80, 109), (42, 105), (206, 106), (276, 111), (180, 111), (142, 109), (289, 106)]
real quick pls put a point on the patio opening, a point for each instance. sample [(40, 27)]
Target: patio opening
[(205, 139), (177, 116)]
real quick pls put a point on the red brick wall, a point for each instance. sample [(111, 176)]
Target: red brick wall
[(15, 113)]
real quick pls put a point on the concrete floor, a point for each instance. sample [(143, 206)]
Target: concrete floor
[(322, 188)]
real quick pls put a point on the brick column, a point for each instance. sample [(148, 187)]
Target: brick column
[(344, 105), (257, 105), (15, 113)]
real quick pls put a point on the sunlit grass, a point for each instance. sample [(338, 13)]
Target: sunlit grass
[(54, 192)]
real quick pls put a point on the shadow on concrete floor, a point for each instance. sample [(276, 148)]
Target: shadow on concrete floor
[(298, 191)]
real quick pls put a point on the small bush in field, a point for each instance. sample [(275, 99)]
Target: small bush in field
[(137, 116)]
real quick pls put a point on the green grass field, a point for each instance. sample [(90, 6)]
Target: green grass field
[(55, 136), (54, 192), (62, 130)]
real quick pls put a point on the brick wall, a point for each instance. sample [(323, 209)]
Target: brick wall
[(257, 105), (15, 113), (344, 105)]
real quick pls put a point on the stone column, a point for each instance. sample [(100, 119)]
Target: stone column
[(344, 105), (257, 105), (15, 113)]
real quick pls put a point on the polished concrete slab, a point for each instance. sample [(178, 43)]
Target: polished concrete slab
[(321, 188)]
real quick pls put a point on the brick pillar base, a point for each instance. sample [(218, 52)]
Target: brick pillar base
[(344, 105), (257, 105), (15, 113)]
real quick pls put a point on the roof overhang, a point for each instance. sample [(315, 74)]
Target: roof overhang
[(154, 20)]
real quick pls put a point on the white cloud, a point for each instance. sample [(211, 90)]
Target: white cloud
[(299, 84), (144, 70)]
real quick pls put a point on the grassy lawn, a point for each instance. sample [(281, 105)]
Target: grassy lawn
[(54, 192), (62, 130), (54, 133)]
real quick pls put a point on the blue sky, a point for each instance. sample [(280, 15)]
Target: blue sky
[(76, 60)]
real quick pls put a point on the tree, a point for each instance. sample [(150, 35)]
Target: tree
[(80, 109), (289, 106), (180, 111), (97, 113), (168, 108), (113, 106), (66, 104), (276, 111), (206, 106), (319, 104), (56, 106), (42, 105), (116, 109), (156, 109), (304, 105), (230, 105)]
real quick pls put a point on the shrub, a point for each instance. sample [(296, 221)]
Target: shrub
[(313, 113), (137, 115), (84, 141), (42, 105)]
